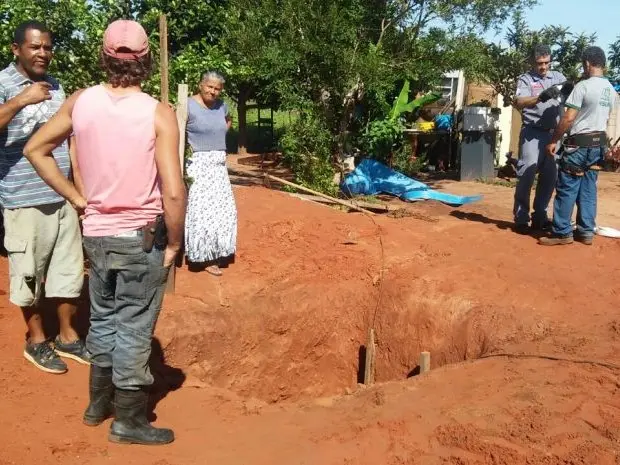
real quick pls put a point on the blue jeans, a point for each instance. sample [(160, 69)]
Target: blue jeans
[(532, 160), (580, 190), (126, 287)]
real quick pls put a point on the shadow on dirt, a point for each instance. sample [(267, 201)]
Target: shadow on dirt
[(478, 218), (167, 378), (501, 224)]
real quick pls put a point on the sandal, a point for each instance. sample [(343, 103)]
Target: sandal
[(214, 270)]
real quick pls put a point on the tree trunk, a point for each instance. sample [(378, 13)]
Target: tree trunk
[(242, 115), (354, 95)]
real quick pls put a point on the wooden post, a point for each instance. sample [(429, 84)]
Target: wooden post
[(182, 97), (242, 112), (182, 102), (163, 57), (369, 368), (425, 362)]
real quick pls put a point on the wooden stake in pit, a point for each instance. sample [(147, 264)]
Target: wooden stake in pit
[(425, 362), (369, 368)]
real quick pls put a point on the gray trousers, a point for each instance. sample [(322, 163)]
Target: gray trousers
[(126, 287), (532, 160)]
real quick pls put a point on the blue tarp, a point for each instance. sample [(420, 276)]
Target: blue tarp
[(371, 177)]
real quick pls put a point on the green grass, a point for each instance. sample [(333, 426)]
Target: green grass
[(497, 182), (502, 182), (367, 198)]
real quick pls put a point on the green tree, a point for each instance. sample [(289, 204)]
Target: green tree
[(613, 58), (340, 63), (78, 27), (506, 63), (343, 61)]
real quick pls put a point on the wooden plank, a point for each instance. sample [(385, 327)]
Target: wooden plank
[(425, 362), (354, 206), (380, 207), (310, 191), (369, 368), (163, 58)]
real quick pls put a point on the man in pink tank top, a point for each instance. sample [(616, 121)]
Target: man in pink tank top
[(134, 199)]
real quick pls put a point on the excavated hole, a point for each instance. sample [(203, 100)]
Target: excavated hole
[(291, 347)]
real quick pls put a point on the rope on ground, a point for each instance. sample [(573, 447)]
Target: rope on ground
[(381, 270), (611, 366), (380, 297)]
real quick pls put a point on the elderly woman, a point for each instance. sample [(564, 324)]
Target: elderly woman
[(211, 222)]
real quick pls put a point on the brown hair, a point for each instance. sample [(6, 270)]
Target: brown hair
[(125, 73)]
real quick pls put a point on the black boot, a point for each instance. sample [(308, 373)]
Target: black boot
[(101, 392), (130, 425)]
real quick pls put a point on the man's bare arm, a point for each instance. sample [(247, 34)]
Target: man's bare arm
[(526, 102), (35, 93), (75, 167), (39, 148), (8, 111), (565, 124), (169, 169)]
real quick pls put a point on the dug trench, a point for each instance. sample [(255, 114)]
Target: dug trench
[(304, 344), (266, 357), (289, 320)]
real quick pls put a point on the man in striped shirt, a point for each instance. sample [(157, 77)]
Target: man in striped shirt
[(42, 234)]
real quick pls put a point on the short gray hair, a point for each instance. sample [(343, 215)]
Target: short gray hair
[(541, 50), (209, 75)]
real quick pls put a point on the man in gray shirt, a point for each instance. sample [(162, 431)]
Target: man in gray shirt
[(585, 120), (536, 98)]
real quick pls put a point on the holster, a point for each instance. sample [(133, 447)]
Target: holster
[(570, 168), (154, 233)]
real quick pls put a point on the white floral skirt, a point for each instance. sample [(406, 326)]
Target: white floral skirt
[(211, 221)]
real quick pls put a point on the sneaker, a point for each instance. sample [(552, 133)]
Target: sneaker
[(42, 356), (75, 350), (586, 240), (556, 240)]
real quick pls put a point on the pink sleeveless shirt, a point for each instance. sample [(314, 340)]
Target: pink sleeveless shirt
[(115, 139)]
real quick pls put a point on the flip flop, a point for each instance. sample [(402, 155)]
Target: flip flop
[(214, 270)]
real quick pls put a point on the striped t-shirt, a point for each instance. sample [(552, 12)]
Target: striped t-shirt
[(20, 185)]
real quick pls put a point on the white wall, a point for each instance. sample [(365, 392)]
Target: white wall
[(505, 127)]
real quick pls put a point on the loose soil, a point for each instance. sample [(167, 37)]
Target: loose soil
[(262, 365)]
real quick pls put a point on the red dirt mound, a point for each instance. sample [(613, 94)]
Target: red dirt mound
[(288, 318)]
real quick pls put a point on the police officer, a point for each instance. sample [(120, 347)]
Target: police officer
[(537, 98), (587, 112)]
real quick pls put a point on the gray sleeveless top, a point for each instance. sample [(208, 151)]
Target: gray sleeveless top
[(206, 127)]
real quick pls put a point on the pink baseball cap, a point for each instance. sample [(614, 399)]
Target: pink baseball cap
[(125, 40)]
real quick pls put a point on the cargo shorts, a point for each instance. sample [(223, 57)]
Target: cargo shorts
[(44, 247)]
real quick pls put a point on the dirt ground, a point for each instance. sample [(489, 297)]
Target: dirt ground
[(261, 366)]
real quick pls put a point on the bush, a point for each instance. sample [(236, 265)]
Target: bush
[(307, 149), (382, 139)]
